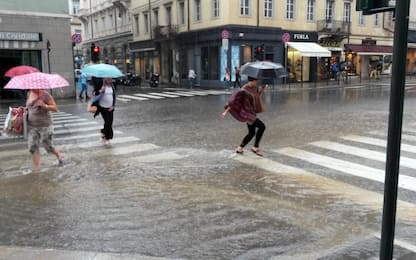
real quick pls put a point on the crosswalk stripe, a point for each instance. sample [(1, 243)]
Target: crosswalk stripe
[(123, 99), (354, 169), (75, 124), (75, 130), (133, 97), (148, 96), (405, 137), (219, 92), (199, 93), (67, 118), (123, 139), (365, 153), (163, 156), (163, 95), (378, 142), (178, 93), (133, 148), (269, 165), (64, 147)]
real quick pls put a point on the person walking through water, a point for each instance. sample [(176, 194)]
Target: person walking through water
[(40, 128), (83, 84), (244, 105), (237, 77), (105, 101)]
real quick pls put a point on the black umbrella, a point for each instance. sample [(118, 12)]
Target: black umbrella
[(263, 70)]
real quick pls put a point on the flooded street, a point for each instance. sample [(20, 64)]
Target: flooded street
[(170, 185)]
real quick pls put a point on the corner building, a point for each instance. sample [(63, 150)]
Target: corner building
[(36, 33)]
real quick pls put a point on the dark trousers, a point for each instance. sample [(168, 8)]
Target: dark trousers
[(252, 132), (107, 131)]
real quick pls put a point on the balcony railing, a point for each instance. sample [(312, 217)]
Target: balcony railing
[(166, 32), (332, 27)]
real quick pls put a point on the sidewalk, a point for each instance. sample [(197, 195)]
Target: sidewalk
[(30, 253)]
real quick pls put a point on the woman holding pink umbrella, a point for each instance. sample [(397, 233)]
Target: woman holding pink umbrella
[(39, 105)]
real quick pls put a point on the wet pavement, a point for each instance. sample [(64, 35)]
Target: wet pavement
[(171, 186)]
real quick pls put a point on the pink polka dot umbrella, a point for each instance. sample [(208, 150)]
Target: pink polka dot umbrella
[(37, 80)]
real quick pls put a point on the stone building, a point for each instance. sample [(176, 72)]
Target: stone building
[(36, 33), (107, 24)]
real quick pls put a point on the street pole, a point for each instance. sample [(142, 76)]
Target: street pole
[(395, 129)]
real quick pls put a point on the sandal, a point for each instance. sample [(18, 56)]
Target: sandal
[(256, 151), (239, 150)]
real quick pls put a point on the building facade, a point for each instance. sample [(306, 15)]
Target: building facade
[(36, 34), (107, 24), (173, 36)]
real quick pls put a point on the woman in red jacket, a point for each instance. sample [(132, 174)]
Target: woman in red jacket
[(244, 105)]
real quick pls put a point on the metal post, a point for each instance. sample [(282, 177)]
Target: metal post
[(395, 129), (48, 48)]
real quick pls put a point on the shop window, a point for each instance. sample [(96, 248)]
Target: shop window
[(210, 61)]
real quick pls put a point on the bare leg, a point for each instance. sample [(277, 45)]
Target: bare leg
[(58, 155), (36, 161)]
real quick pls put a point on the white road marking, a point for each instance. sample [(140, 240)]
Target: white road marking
[(164, 156), (378, 142), (149, 96), (133, 97), (364, 153), (163, 95), (354, 169)]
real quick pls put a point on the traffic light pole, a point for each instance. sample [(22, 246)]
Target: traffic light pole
[(395, 129)]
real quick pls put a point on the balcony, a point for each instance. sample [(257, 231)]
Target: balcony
[(121, 3), (166, 32), (339, 28)]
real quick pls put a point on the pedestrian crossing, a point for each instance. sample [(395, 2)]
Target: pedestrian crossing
[(126, 98), (355, 156), (78, 139), (360, 157)]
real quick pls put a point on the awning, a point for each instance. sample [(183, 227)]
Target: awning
[(369, 49), (310, 49)]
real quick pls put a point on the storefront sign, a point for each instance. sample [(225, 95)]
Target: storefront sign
[(329, 43), (20, 36), (301, 36)]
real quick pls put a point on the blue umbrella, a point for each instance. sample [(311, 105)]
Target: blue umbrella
[(102, 71)]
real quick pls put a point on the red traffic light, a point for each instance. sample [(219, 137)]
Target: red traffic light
[(258, 49), (96, 49)]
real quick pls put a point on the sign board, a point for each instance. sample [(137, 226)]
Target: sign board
[(76, 38), (286, 37), (20, 36)]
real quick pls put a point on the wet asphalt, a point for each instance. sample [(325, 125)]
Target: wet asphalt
[(172, 186)]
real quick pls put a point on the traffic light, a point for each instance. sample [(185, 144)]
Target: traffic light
[(369, 7), (95, 52)]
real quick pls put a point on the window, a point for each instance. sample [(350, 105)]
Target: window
[(310, 12), (216, 8), (376, 20), (347, 12), (361, 20), (136, 24), (168, 15), (197, 10), (329, 10), (245, 7), (290, 9), (146, 22), (156, 16), (181, 12), (268, 8)]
